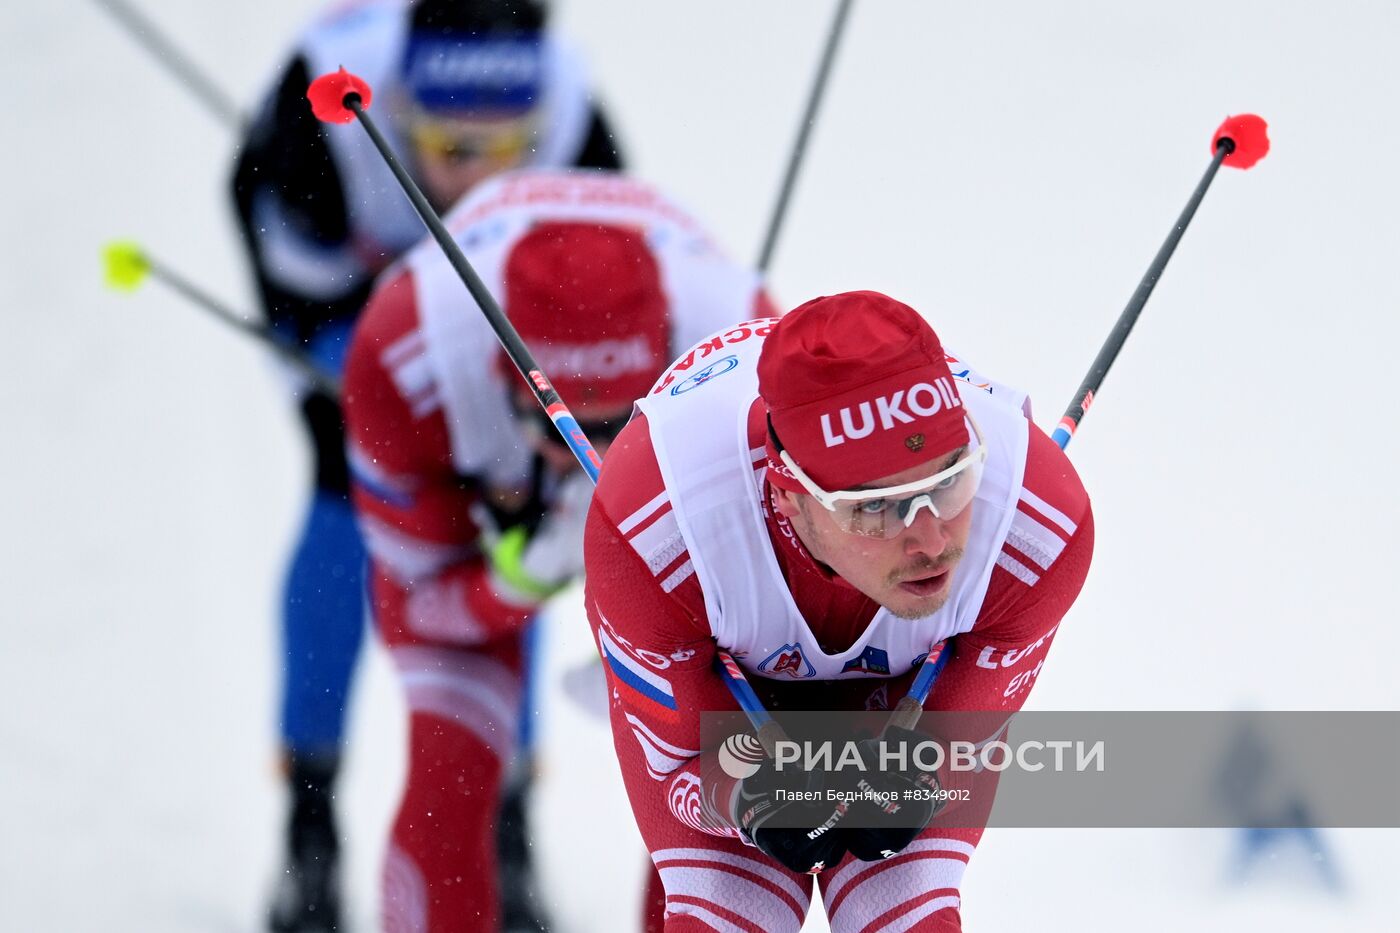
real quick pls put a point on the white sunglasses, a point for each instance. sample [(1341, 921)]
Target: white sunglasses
[(884, 513)]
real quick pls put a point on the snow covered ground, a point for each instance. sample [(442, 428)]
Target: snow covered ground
[(1008, 168)]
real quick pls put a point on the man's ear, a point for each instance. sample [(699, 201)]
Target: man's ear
[(785, 502)]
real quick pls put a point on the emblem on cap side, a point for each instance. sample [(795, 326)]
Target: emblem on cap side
[(914, 442)]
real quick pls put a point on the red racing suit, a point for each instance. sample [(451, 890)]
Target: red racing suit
[(647, 607)]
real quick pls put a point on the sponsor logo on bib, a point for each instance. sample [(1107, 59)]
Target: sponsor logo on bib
[(787, 660), (718, 368)]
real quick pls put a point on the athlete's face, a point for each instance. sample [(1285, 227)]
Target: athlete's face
[(910, 574), (455, 154), (601, 421)]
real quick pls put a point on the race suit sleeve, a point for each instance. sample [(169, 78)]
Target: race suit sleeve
[(647, 615)]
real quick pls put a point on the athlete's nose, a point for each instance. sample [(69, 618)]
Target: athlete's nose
[(927, 534)]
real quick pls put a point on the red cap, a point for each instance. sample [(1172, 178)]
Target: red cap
[(857, 388), (587, 299)]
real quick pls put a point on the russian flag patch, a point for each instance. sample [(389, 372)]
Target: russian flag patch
[(633, 673)]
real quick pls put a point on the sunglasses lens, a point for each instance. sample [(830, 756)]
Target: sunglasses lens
[(946, 497), (886, 512), (461, 143)]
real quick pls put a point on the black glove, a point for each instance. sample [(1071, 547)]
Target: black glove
[(908, 799), (787, 815)]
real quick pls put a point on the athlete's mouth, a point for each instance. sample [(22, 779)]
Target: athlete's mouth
[(928, 584)]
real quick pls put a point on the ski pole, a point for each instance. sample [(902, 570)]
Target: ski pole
[(769, 732), (1240, 142), (339, 97), (127, 266), (141, 29), (907, 711), (804, 131)]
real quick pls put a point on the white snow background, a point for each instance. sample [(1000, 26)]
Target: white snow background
[(1008, 168)]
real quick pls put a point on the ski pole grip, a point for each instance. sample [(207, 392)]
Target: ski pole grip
[(906, 714), (769, 735)]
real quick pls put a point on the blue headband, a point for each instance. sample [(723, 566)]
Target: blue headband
[(474, 73)]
